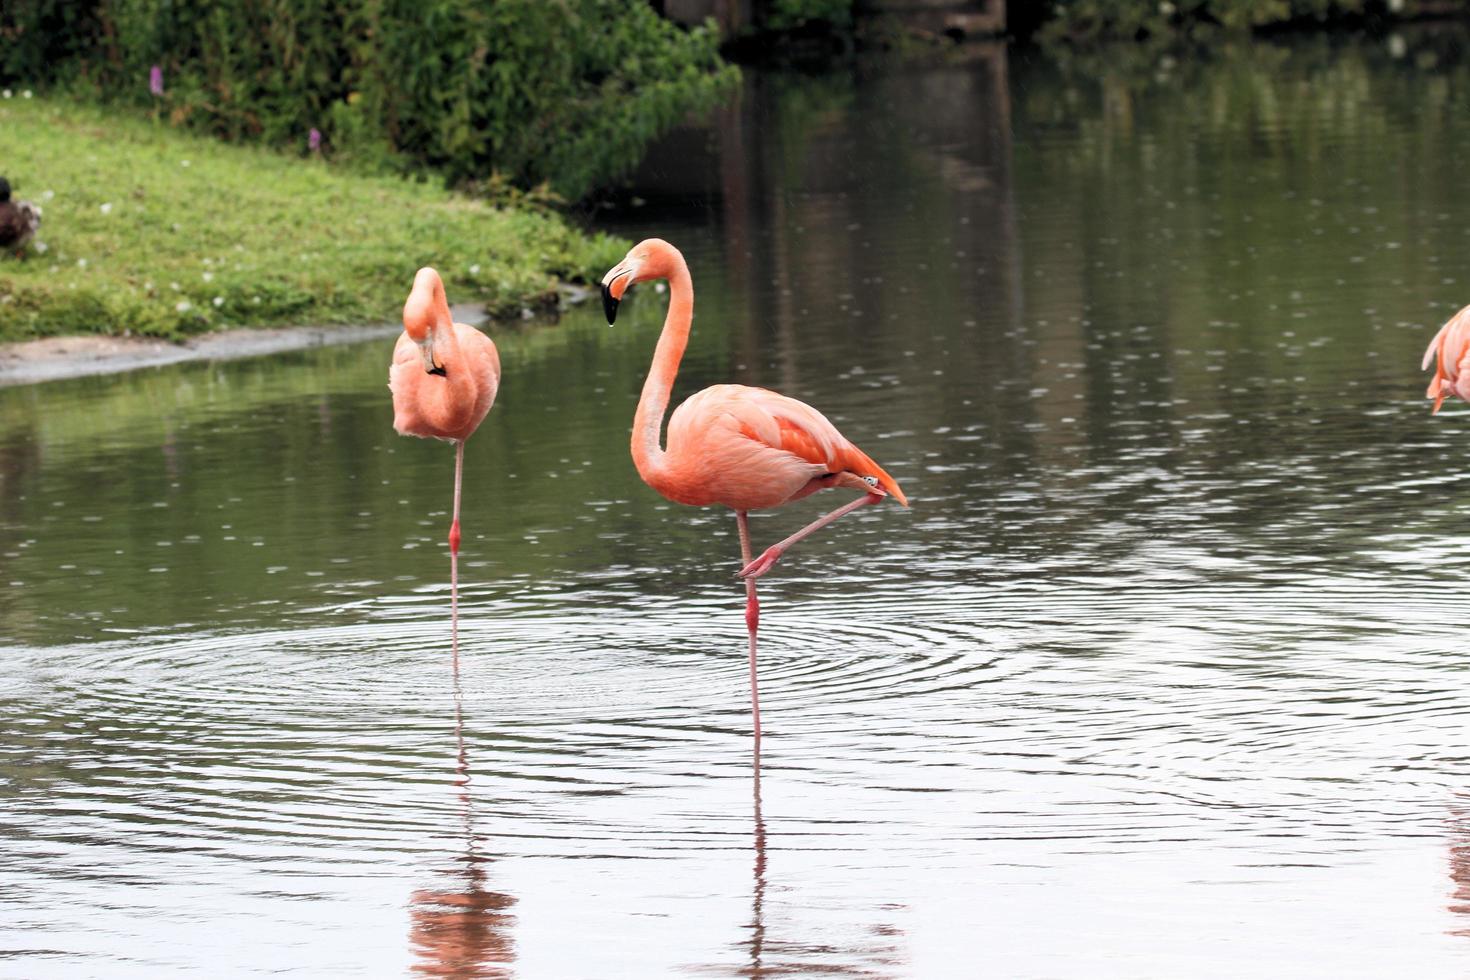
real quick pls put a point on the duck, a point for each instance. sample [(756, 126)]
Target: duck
[(18, 220)]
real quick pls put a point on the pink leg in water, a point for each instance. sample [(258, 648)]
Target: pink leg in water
[(454, 554), (752, 621), (755, 569)]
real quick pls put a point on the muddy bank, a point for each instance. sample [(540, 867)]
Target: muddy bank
[(55, 358)]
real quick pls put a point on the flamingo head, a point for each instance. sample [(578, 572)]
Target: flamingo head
[(425, 312), (652, 258)]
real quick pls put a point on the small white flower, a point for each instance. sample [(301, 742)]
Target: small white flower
[(219, 301), (475, 269), (147, 287), (47, 195), (7, 93), (209, 277), (81, 263), (105, 208), (255, 299), (41, 247), (26, 94), (183, 306), (174, 286), (208, 260), (183, 163)]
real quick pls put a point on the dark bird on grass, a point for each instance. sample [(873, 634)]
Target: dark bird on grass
[(18, 220)]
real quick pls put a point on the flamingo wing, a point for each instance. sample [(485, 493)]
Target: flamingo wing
[(783, 432)]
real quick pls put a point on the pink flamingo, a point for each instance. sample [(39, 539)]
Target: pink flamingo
[(746, 448), (443, 378), (1452, 346)]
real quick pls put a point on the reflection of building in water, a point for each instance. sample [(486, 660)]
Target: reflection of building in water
[(460, 927)]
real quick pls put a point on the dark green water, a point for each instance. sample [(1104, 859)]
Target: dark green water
[(1162, 674)]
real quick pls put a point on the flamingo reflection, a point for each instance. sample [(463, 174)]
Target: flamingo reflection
[(879, 957), (462, 928), (1460, 868)]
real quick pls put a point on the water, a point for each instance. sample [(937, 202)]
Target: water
[(1162, 674)]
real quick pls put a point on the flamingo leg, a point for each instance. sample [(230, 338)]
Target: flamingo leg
[(752, 621), (454, 553), (769, 557)]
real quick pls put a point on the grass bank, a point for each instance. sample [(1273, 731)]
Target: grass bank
[(151, 231)]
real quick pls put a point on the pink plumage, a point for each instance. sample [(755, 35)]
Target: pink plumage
[(751, 449), (1452, 348), (449, 405)]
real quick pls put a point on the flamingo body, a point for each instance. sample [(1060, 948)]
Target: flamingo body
[(1451, 347), (425, 405), (752, 449)]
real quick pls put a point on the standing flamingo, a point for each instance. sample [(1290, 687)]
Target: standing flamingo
[(746, 448), (1452, 346), (443, 378)]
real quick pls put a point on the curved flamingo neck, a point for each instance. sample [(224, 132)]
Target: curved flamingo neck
[(648, 454), (460, 389)]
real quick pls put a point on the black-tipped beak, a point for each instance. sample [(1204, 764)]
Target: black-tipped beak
[(426, 351), (609, 304)]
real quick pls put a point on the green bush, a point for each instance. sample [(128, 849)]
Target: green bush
[(560, 91)]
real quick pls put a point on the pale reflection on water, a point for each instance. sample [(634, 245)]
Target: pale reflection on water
[(461, 927), (1162, 675)]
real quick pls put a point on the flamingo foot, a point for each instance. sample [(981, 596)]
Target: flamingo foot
[(761, 565)]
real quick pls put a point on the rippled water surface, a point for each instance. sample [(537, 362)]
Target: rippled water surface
[(1163, 674)]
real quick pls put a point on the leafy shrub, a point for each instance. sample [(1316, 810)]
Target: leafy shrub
[(560, 91)]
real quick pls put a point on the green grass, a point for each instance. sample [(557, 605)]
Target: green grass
[(150, 231)]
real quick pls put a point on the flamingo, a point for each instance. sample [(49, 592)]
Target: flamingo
[(1452, 346), (746, 448), (443, 378)]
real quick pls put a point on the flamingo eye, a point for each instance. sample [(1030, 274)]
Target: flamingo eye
[(871, 481)]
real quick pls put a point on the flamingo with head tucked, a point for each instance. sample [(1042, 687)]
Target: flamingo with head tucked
[(1452, 348), (746, 448), (443, 378)]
